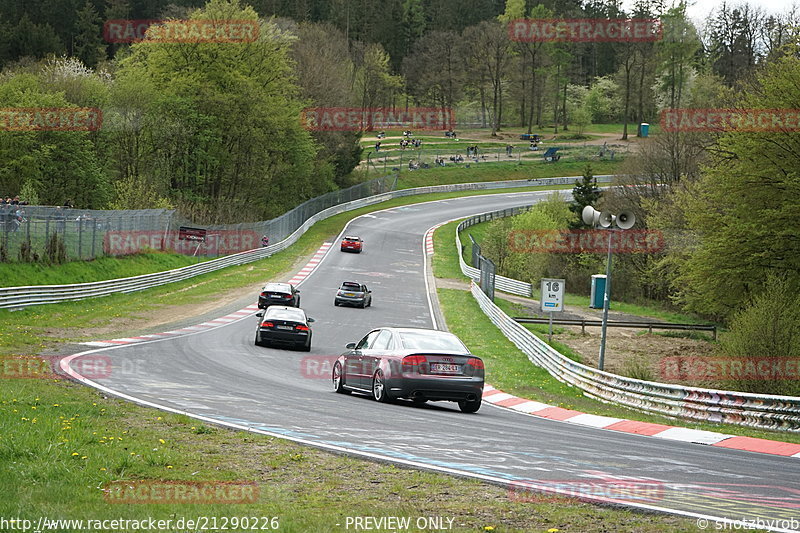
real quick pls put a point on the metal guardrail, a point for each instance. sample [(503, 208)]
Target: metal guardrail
[(19, 297), (707, 405), (509, 285), (618, 324)]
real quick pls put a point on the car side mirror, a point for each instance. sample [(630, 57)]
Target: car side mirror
[(297, 291), (310, 320), (260, 314), (350, 345), (369, 291)]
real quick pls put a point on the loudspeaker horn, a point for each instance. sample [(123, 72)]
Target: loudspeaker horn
[(626, 220), (606, 219), (590, 216)]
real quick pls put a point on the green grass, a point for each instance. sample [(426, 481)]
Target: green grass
[(62, 444), (103, 268), (510, 370), (499, 172)]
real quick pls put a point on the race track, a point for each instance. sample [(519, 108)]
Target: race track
[(219, 374)]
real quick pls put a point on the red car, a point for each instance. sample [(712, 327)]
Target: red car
[(351, 243)]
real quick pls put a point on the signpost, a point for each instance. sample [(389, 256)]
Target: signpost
[(552, 299), (197, 235), (488, 270)]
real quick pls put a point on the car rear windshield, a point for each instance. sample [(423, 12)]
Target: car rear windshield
[(277, 287), (433, 340), (285, 314), (351, 286), (352, 239)]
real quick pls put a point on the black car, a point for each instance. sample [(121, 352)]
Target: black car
[(411, 363), (280, 324), (353, 293), (278, 294)]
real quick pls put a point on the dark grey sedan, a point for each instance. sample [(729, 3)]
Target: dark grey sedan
[(412, 363)]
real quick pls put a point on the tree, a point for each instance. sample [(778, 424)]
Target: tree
[(742, 213), (584, 193), (489, 56), (732, 46), (677, 51), (88, 45)]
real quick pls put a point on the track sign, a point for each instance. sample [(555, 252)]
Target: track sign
[(552, 295), (192, 234)]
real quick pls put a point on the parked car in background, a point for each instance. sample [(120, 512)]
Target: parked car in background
[(411, 363), (281, 324), (351, 243), (353, 293), (278, 294)]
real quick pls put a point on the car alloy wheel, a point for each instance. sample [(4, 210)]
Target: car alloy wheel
[(379, 387), (338, 379)]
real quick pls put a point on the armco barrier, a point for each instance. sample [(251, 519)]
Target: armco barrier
[(19, 297), (502, 283), (707, 405)]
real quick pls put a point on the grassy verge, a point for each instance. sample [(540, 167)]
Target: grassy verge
[(499, 172), (61, 446), (510, 370), (653, 309), (103, 268)]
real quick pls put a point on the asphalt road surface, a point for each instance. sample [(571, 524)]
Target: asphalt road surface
[(222, 376)]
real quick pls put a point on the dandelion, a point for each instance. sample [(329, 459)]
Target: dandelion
[(159, 418), (56, 405), (84, 457), (162, 441), (169, 467), (102, 469), (133, 453), (75, 454), (488, 528), (552, 530)]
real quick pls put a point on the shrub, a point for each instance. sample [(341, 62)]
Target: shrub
[(769, 327)]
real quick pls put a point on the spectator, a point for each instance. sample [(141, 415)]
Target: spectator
[(378, 146), (15, 201), (509, 149), (8, 200), (264, 241)]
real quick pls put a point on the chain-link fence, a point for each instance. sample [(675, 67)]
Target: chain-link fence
[(33, 233)]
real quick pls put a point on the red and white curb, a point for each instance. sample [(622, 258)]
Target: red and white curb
[(312, 264), (429, 238), (217, 322), (501, 399), (211, 324)]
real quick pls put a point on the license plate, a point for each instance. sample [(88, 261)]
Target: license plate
[(443, 367), (349, 294), (284, 327)]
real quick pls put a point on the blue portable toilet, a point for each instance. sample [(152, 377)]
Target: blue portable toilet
[(598, 291), (645, 129)]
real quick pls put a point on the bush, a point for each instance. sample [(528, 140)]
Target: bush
[(55, 252), (767, 328)]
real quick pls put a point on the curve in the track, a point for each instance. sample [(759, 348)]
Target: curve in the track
[(219, 376)]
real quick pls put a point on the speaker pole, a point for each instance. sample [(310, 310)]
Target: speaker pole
[(606, 301)]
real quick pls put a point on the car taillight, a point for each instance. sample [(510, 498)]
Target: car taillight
[(410, 362), (264, 295), (287, 296), (266, 324), (301, 328), (475, 363)]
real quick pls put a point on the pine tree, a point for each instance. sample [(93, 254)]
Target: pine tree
[(89, 46), (583, 194)]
